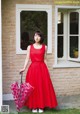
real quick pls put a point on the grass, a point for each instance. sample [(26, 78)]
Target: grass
[(53, 111)]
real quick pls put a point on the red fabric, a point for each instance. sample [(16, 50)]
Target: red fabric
[(21, 93), (15, 91), (38, 76), (25, 91)]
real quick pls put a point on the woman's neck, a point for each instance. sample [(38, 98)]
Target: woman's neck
[(37, 44)]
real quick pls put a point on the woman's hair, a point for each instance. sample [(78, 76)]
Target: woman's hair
[(41, 36)]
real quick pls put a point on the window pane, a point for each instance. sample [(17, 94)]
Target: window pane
[(60, 23), (60, 47), (74, 22), (74, 46), (31, 21)]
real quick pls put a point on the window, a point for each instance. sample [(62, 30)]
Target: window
[(60, 35), (74, 35), (67, 36), (30, 22), (30, 18)]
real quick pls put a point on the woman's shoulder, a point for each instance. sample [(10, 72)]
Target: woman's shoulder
[(29, 46), (45, 46)]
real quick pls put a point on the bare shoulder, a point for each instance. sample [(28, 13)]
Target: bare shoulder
[(28, 48), (45, 47)]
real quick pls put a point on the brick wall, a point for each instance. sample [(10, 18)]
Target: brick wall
[(66, 81)]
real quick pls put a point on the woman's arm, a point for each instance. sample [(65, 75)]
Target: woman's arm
[(45, 57), (26, 60)]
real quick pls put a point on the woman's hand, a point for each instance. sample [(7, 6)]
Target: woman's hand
[(22, 70)]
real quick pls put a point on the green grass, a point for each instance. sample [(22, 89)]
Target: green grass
[(53, 111), (65, 111)]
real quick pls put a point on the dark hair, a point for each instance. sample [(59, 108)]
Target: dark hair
[(41, 36)]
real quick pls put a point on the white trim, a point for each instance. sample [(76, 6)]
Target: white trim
[(65, 34), (56, 63), (7, 97), (33, 7), (66, 64), (55, 40), (0, 59)]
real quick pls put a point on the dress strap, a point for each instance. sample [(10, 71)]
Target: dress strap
[(31, 45), (43, 47)]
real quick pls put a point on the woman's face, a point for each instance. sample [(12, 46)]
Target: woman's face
[(37, 38)]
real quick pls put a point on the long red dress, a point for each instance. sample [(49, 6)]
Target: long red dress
[(38, 76)]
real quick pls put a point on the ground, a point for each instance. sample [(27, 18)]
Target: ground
[(66, 105)]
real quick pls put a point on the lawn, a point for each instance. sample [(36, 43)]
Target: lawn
[(65, 111)]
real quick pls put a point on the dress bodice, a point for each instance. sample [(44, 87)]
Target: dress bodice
[(37, 55)]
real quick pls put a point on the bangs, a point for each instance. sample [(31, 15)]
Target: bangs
[(41, 36)]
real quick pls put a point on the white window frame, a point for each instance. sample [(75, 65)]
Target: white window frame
[(33, 7), (62, 63), (74, 59)]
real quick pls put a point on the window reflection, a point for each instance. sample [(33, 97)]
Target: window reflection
[(60, 35), (60, 23), (24, 40), (74, 46), (60, 47), (74, 22), (31, 21)]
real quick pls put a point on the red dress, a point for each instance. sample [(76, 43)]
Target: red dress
[(39, 77)]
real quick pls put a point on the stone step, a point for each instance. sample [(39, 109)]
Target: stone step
[(64, 102)]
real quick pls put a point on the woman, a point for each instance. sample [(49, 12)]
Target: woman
[(38, 76)]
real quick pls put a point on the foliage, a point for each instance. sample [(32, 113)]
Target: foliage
[(34, 20)]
